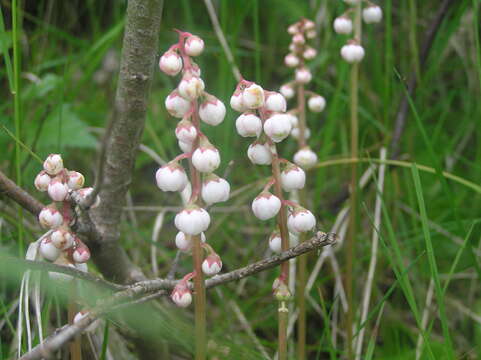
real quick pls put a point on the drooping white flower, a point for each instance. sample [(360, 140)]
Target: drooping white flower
[(259, 153), (309, 53), (171, 177), (275, 102), (48, 250), (287, 91), (253, 96), (170, 63), (212, 265), (278, 127), (298, 39), (275, 241), (296, 132), (184, 242), (303, 75), (50, 217), (316, 103), (212, 111), (75, 180), (301, 220), (42, 180), (185, 131), (206, 158), (176, 105), (194, 45), (248, 125), (192, 220), (266, 205), (305, 158), (191, 87), (215, 189), (185, 147), (291, 60), (62, 239), (343, 25), (181, 295), (372, 14), (293, 178), (53, 164), (352, 52), (236, 101)]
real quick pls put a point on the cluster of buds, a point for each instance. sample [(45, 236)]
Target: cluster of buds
[(353, 52), (65, 187), (300, 52), (192, 104)]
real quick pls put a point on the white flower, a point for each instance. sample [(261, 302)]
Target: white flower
[(206, 159), (248, 125), (275, 102), (343, 25), (259, 154), (287, 91), (309, 24), (292, 29), (352, 53), (215, 189), (181, 295), (291, 60), (53, 164), (42, 180), (305, 158), (298, 39), (191, 87), (50, 217), (301, 220), (212, 111), (293, 178), (311, 34), (303, 75), (236, 101), (278, 127), (192, 220), (295, 132), (185, 131), (81, 254), (212, 265), (309, 53), (170, 63), (316, 103), (62, 239), (176, 105), (194, 45), (293, 118), (57, 190), (171, 177), (185, 147), (75, 180), (184, 243), (266, 205), (275, 241), (372, 14), (48, 250), (253, 96)]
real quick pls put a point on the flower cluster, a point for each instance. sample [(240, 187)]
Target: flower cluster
[(300, 52), (192, 104), (61, 245), (353, 52)]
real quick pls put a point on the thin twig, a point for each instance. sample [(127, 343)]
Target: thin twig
[(19, 195)]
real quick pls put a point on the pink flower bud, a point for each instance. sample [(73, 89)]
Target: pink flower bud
[(296, 132), (278, 127), (352, 52), (301, 220), (287, 91), (372, 14), (185, 147), (298, 39), (212, 111), (293, 178), (248, 125), (184, 243), (266, 205), (170, 63), (236, 101), (316, 103), (62, 239), (305, 158), (259, 153), (57, 190), (291, 60), (194, 45), (206, 158), (311, 34), (192, 220), (303, 75), (212, 265), (50, 217), (176, 105), (48, 250), (292, 29), (309, 53), (171, 177), (215, 189), (42, 180), (81, 254), (253, 96), (82, 315), (186, 131), (181, 295), (84, 193), (309, 24), (53, 164), (275, 102), (343, 25), (75, 180), (191, 87)]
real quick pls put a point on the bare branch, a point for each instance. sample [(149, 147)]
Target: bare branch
[(19, 195)]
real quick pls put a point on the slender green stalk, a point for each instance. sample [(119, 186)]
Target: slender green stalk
[(283, 318)]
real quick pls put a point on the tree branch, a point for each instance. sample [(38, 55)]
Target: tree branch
[(19, 195)]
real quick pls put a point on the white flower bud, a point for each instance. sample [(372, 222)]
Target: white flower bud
[(42, 180), (292, 29), (352, 2), (53, 164), (48, 250), (296, 132), (275, 102), (212, 111), (184, 243), (294, 120), (352, 53), (287, 91), (212, 265), (62, 239), (259, 154), (50, 217), (311, 34), (293, 178), (57, 190), (278, 127), (305, 158), (236, 101), (75, 180), (291, 60), (185, 147), (170, 63), (309, 24), (248, 125), (181, 295), (275, 241), (82, 315), (215, 190), (303, 75), (309, 53), (84, 193), (192, 220), (301, 220), (316, 103), (372, 14), (81, 254), (194, 45), (266, 205), (253, 96), (186, 131), (343, 25), (176, 105), (298, 39), (171, 177), (206, 158), (191, 87)]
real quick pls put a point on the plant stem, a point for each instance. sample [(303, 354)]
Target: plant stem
[(350, 253), (283, 313), (75, 347)]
